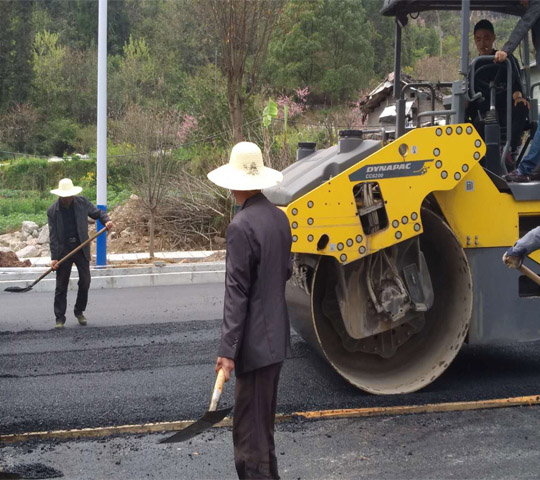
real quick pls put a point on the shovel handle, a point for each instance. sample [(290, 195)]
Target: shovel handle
[(530, 274), (81, 246), (218, 388), (70, 254)]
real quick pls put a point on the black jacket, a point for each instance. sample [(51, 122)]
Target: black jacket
[(491, 72), (255, 331), (83, 209)]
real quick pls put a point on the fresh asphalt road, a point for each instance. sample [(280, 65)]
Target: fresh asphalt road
[(148, 356), (488, 444)]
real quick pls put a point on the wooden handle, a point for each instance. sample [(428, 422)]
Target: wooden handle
[(529, 273), (82, 245), (73, 252), (218, 388)]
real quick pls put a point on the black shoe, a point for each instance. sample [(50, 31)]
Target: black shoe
[(535, 177), (517, 177)]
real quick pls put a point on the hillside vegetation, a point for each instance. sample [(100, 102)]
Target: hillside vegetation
[(185, 81)]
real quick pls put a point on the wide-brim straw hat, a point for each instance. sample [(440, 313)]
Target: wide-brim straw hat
[(66, 188), (245, 170)]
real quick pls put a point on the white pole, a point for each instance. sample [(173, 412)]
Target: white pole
[(101, 178)]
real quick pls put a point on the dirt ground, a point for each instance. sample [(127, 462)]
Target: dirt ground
[(130, 233), (9, 259)]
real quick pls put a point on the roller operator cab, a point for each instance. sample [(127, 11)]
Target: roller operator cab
[(397, 248)]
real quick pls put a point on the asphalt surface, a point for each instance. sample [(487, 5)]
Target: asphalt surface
[(144, 361), (489, 444)]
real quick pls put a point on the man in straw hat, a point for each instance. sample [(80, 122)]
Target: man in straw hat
[(68, 228), (255, 330)]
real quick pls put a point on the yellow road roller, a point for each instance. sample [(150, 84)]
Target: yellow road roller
[(397, 244)]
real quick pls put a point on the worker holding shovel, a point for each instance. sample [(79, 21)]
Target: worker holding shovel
[(68, 233), (513, 257), (255, 330)]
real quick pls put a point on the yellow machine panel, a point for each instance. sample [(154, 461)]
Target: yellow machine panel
[(481, 216), (326, 221)]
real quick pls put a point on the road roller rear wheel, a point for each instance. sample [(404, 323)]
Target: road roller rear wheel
[(422, 345)]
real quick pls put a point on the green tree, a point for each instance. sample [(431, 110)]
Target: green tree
[(137, 72), (48, 62), (15, 51), (324, 44), (382, 39), (243, 29), (76, 21)]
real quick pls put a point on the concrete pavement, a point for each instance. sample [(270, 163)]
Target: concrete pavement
[(121, 307), (158, 274)]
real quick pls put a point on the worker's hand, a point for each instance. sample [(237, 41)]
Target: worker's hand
[(523, 100), (512, 261), (225, 364), (109, 225), (54, 264), (500, 56)]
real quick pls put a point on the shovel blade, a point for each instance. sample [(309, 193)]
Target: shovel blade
[(208, 420), (18, 289)]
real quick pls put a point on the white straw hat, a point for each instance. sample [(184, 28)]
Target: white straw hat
[(245, 170), (66, 188)]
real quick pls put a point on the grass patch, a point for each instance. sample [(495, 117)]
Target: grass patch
[(19, 205)]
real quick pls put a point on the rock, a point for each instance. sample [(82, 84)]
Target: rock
[(5, 239), (31, 241), (35, 233), (25, 235), (29, 227), (43, 236), (15, 245), (28, 251), (128, 232), (133, 197), (220, 241), (5, 250)]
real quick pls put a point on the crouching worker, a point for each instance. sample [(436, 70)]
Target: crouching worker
[(68, 228), (255, 331), (530, 242)]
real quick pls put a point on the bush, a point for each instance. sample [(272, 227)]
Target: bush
[(39, 174), (59, 136), (29, 173)]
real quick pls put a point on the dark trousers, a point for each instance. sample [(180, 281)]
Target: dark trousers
[(62, 282), (255, 399)]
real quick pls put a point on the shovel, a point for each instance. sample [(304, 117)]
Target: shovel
[(209, 419), (43, 275), (530, 274)]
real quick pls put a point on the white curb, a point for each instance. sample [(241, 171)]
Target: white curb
[(146, 276)]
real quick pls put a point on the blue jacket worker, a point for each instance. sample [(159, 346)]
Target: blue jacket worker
[(530, 242)]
